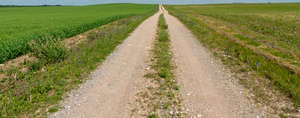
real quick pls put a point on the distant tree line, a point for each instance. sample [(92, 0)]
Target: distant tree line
[(27, 5)]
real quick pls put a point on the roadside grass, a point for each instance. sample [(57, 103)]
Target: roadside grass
[(167, 100), (239, 57), (21, 25), (35, 91)]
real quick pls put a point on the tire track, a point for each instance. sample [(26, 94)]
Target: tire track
[(112, 86), (207, 90)]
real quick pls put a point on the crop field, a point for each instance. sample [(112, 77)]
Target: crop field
[(20, 25), (264, 37)]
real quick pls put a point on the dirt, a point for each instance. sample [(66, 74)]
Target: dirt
[(112, 86), (208, 90)]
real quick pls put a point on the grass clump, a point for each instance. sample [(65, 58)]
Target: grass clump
[(49, 50), (152, 116), (35, 65)]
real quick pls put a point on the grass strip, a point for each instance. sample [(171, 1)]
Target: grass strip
[(166, 101), (34, 93)]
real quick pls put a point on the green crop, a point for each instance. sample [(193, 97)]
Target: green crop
[(20, 25)]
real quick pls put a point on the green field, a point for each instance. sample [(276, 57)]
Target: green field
[(20, 25), (264, 38)]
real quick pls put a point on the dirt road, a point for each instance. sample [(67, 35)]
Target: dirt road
[(207, 90), (111, 87)]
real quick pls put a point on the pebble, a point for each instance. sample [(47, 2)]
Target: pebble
[(199, 115), (188, 94)]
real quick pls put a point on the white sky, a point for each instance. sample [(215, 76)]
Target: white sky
[(85, 2)]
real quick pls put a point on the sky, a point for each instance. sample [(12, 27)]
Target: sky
[(87, 2)]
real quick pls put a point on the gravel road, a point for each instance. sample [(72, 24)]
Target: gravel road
[(112, 86), (208, 91)]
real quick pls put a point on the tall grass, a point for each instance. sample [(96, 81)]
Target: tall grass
[(21, 25), (49, 50)]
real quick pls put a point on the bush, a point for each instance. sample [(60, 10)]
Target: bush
[(49, 50)]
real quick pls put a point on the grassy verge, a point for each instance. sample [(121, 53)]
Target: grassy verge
[(37, 90), (243, 59), (161, 98)]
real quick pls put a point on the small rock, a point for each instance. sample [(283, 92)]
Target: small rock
[(199, 115), (188, 94), (171, 112)]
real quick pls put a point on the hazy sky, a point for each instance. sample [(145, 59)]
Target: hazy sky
[(85, 2)]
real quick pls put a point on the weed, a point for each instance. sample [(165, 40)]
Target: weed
[(152, 116), (53, 109), (34, 65), (49, 50)]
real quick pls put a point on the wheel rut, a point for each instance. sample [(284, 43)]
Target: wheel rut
[(111, 87), (208, 91)]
